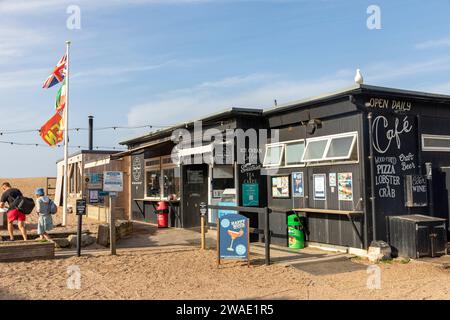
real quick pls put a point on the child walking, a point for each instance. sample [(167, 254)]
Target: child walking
[(45, 207)]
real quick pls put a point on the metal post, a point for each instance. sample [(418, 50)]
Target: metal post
[(202, 221), (112, 227), (267, 236), (66, 138), (80, 223), (372, 178), (429, 173), (203, 212)]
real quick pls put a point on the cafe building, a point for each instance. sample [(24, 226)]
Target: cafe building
[(348, 161), (194, 162)]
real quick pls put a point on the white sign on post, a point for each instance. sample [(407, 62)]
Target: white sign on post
[(113, 181)]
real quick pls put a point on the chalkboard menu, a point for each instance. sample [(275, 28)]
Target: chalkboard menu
[(416, 191), (395, 156)]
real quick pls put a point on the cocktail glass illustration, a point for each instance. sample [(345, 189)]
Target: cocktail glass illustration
[(234, 235)]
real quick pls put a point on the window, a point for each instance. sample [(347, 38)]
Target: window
[(171, 182), (152, 183), (273, 155), (315, 150), (162, 178), (294, 153), (333, 147), (153, 178), (152, 162), (432, 142), (78, 177), (341, 147)]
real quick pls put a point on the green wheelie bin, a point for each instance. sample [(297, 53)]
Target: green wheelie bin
[(296, 236)]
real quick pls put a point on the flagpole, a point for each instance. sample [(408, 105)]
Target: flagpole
[(66, 138)]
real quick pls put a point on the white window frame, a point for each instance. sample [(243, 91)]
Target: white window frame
[(329, 138), (302, 164), (278, 144), (308, 141), (342, 135), (437, 137)]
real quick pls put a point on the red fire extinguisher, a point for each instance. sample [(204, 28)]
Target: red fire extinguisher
[(162, 212)]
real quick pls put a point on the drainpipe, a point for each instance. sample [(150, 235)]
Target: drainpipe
[(91, 132), (372, 178)]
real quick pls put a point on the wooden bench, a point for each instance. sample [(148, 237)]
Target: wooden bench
[(26, 250), (329, 211), (348, 213)]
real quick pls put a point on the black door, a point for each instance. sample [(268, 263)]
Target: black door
[(195, 191)]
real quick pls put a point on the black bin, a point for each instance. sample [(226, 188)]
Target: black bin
[(417, 236)]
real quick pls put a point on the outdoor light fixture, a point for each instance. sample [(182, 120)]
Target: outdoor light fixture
[(314, 124), (429, 170)]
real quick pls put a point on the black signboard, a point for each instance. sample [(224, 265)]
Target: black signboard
[(81, 207), (416, 191), (395, 156)]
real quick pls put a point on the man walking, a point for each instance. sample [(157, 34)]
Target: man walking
[(9, 195)]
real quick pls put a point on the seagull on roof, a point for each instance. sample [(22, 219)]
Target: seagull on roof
[(358, 77)]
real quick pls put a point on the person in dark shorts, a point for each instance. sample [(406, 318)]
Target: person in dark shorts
[(8, 196)]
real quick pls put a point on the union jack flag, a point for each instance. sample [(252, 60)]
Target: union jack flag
[(57, 74)]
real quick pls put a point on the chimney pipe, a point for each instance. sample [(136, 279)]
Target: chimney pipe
[(91, 132)]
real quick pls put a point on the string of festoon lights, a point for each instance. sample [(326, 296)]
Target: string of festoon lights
[(9, 132), (78, 129), (31, 144)]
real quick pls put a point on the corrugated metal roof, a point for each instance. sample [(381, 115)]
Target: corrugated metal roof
[(216, 115)]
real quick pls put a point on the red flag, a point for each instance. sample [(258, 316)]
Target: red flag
[(51, 131)]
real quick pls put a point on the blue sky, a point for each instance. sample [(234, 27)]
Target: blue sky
[(159, 62)]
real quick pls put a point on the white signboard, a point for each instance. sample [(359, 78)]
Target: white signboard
[(319, 181), (113, 181)]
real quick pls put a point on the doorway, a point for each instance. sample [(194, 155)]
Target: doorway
[(195, 191)]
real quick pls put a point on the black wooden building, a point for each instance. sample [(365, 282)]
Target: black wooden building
[(347, 161), (192, 173)]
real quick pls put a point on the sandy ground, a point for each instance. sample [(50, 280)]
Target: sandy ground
[(189, 273)]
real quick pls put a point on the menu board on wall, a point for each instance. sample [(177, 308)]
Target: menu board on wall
[(395, 155), (416, 190), (194, 176), (280, 187), (319, 181), (345, 186), (250, 194)]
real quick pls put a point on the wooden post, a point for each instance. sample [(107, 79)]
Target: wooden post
[(218, 242), (248, 242), (79, 234), (112, 227), (267, 236), (202, 221)]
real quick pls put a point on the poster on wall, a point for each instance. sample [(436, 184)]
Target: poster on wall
[(319, 186), (280, 187), (297, 184), (250, 194), (332, 179), (345, 188), (93, 196), (94, 180)]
